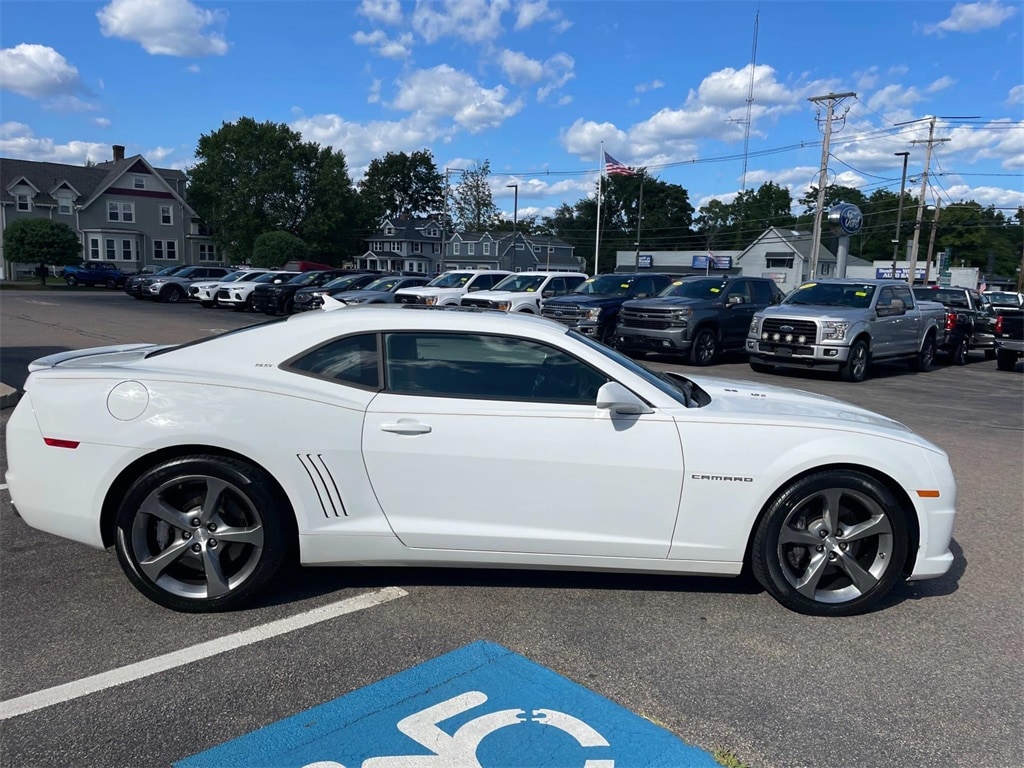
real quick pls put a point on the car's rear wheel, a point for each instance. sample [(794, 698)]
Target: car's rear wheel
[(831, 544), (856, 366), (960, 352), (172, 294), (926, 356), (71, 280), (201, 533), (705, 347)]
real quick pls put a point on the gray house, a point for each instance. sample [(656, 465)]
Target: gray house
[(404, 245), (125, 211), (516, 252), (784, 255)]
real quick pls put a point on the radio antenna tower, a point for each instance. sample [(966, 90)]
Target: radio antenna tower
[(750, 104)]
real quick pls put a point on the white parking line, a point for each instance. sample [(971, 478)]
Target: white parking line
[(61, 693)]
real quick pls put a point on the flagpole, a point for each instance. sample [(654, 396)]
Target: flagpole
[(597, 236), (639, 216)]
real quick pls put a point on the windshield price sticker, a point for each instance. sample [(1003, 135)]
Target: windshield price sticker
[(481, 706)]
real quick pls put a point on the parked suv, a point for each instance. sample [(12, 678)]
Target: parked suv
[(523, 291), (238, 295), (206, 292), (593, 307), (358, 289), (135, 284), (695, 316), (448, 288), (272, 298)]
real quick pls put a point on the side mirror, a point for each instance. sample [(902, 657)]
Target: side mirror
[(546, 294), (616, 398)]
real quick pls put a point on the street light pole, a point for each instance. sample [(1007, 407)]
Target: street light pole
[(899, 212), (515, 225)]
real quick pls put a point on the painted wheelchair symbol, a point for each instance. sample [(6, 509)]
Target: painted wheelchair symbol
[(458, 750)]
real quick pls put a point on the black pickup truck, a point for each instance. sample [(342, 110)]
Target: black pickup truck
[(593, 306), (1009, 333), (697, 317), (969, 324)]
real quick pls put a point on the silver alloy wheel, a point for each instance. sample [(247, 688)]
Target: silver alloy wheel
[(197, 536), (856, 365), (836, 545)]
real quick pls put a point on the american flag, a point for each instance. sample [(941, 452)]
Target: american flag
[(613, 167)]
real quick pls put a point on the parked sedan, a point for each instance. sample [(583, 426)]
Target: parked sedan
[(364, 412), (379, 291)]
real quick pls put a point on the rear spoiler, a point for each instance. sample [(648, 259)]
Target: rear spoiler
[(51, 361)]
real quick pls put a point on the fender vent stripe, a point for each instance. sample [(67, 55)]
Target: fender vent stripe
[(324, 484)]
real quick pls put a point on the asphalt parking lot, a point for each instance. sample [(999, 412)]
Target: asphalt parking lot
[(932, 679)]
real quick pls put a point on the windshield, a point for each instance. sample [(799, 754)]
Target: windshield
[(696, 289), (855, 295), (1001, 299), (305, 278), (606, 285), (272, 277), (450, 280), (236, 276), (169, 271), (521, 283), (341, 283), (383, 284), (680, 390)]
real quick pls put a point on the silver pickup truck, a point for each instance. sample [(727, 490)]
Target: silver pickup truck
[(846, 324)]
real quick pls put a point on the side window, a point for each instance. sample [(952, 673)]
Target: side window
[(885, 297), (762, 291), (903, 294), (642, 288), (352, 360), (486, 367), (556, 287), (738, 293)]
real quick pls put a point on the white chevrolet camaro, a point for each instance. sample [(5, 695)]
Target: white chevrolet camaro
[(389, 435)]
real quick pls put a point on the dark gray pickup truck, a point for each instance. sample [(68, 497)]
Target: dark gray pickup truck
[(969, 321), (1009, 333), (695, 316)]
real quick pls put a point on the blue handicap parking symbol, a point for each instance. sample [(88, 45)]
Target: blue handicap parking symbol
[(481, 706)]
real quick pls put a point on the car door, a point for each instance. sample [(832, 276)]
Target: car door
[(910, 331), (494, 443), (886, 328), (739, 311)]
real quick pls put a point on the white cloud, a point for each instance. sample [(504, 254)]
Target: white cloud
[(651, 86), (972, 17), (442, 92), (558, 70), (894, 97), (474, 21), (193, 69), (729, 87), (383, 11), (18, 140), (986, 196), (384, 46), (1004, 143), (1016, 95), (37, 71), (532, 12), (941, 84), (520, 68), (165, 27), (101, 122), (374, 97)]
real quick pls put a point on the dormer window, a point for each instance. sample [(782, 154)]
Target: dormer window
[(64, 205), (24, 202), (389, 230), (432, 232)]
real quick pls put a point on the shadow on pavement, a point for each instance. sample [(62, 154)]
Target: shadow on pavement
[(14, 362)]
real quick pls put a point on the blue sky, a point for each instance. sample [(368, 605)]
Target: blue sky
[(535, 87)]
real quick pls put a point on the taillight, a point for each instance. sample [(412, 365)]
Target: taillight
[(999, 324), (950, 321)]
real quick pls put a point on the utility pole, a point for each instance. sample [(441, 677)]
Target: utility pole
[(931, 141), (832, 101), (515, 227), (899, 213), (931, 241)]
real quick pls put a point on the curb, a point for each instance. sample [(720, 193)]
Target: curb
[(9, 396)]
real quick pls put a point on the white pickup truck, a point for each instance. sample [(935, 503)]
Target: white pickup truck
[(448, 288), (523, 291), (846, 324)]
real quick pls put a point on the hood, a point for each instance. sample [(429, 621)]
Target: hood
[(814, 312), (740, 400), (500, 295), (671, 301), (364, 295), (582, 300)]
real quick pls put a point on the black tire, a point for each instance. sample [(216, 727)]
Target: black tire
[(925, 356), (208, 304), (189, 553), (705, 347), (1006, 360), (111, 283), (289, 307), (172, 294), (71, 280), (855, 368), (606, 335), (990, 354), (831, 544), (959, 354), (761, 367), (138, 297)]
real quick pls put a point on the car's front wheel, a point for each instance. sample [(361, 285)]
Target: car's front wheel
[(172, 294), (831, 544), (856, 366), (705, 347), (202, 533), (71, 280)]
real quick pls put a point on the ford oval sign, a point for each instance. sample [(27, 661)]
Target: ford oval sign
[(845, 219)]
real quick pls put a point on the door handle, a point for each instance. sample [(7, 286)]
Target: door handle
[(405, 427)]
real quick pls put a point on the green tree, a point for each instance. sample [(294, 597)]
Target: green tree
[(274, 249), (473, 207), (252, 178), (402, 185), (43, 242)]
